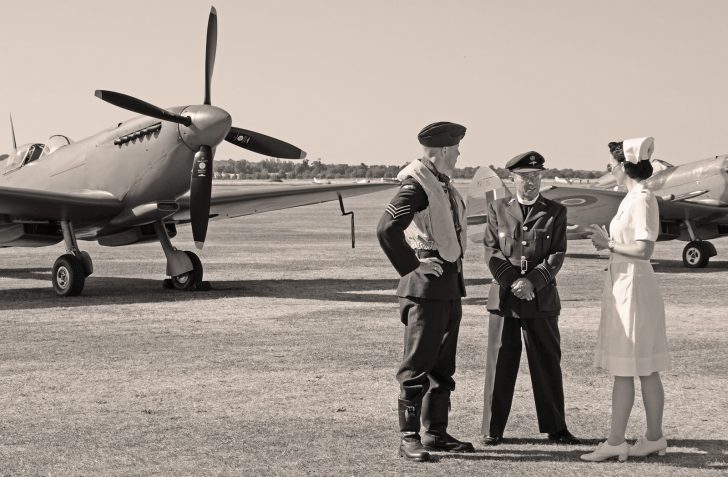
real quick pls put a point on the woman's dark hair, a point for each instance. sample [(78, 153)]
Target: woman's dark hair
[(640, 171)]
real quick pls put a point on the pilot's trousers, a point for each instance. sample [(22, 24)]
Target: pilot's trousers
[(543, 349), (430, 345)]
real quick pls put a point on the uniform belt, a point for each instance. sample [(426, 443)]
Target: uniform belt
[(530, 264), (426, 253)]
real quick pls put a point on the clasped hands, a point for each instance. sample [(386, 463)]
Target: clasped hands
[(522, 288), (600, 238)]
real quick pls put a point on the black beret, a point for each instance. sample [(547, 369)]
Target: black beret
[(527, 162), (441, 134)]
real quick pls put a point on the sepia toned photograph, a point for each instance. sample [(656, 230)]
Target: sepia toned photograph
[(349, 238)]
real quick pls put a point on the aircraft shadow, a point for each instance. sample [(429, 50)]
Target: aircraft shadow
[(663, 265), (677, 266), (688, 453), (126, 290), (587, 256)]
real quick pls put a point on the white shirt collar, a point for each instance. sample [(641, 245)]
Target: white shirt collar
[(638, 187), (527, 202)]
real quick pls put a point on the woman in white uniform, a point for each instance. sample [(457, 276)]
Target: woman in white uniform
[(632, 337)]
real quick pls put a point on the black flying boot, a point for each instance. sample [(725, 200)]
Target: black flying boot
[(409, 424), (435, 409)]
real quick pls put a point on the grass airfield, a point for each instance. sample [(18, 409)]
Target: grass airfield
[(287, 366)]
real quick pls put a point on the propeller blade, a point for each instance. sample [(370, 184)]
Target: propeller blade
[(200, 191), (12, 130), (262, 144), (210, 51), (142, 107)]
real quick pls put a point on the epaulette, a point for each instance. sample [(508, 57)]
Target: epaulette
[(511, 201), (409, 183)]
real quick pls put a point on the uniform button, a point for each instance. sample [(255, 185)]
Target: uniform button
[(524, 243), (525, 228)]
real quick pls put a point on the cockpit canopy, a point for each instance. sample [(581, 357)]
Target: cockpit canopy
[(55, 142), (28, 153)]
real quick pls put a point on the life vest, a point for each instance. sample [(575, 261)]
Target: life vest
[(433, 228)]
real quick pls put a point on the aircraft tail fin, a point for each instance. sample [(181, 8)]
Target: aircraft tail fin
[(607, 181), (12, 131), (485, 187)]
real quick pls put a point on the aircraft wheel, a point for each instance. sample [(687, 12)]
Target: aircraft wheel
[(696, 254), (69, 276), (192, 279)]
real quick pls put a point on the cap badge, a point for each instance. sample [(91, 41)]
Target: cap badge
[(533, 160)]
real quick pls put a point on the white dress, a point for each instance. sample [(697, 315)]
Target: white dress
[(632, 336)]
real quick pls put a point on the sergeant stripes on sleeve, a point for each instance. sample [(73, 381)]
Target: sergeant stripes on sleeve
[(398, 211)]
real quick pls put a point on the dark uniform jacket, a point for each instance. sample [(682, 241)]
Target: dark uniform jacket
[(531, 247), (411, 199)]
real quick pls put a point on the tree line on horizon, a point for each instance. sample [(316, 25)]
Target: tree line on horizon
[(272, 168)]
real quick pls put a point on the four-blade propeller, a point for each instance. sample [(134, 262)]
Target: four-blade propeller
[(201, 175)]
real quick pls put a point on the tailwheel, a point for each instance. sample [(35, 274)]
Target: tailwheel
[(69, 276), (192, 279), (697, 253)]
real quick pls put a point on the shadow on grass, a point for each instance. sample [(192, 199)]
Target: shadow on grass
[(686, 453), (588, 256), (677, 266), (663, 265), (124, 290)]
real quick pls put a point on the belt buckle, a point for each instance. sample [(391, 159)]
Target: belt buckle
[(524, 265)]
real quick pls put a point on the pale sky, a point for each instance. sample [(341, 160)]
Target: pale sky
[(353, 81)]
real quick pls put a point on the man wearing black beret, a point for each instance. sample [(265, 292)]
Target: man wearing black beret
[(422, 232), (525, 243)]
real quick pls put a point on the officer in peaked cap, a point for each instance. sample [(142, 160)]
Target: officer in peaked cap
[(423, 233), (530, 161), (525, 243)]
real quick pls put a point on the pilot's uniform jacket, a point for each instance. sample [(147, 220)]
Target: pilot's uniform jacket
[(426, 218), (532, 247)]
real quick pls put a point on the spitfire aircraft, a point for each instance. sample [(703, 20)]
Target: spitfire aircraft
[(692, 198), (137, 181)]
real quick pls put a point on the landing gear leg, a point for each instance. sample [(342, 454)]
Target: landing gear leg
[(184, 268), (70, 270), (697, 253)]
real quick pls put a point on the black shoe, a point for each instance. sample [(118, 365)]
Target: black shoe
[(491, 440), (411, 448), (445, 443), (563, 437)]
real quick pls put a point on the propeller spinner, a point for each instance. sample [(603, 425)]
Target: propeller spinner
[(202, 128)]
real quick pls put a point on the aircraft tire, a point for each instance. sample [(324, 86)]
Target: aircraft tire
[(696, 254), (69, 276), (191, 280)]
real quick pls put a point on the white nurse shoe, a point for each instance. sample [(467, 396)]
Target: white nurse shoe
[(644, 447), (604, 451)]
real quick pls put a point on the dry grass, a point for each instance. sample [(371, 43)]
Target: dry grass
[(287, 366)]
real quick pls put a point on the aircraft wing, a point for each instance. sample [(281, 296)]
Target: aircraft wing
[(595, 206), (236, 201), (34, 204), (698, 213)]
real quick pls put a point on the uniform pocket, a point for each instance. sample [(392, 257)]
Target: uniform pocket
[(548, 298), (506, 243), (543, 242)]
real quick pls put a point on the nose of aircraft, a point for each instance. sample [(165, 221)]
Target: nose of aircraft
[(209, 126)]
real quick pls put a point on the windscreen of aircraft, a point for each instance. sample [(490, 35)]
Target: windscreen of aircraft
[(23, 155)]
